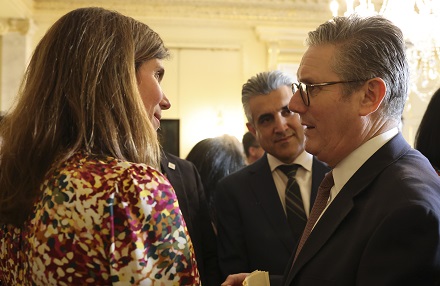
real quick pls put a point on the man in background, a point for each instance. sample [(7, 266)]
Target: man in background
[(188, 186), (252, 148), (254, 231)]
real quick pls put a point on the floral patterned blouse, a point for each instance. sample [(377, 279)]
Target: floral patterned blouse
[(100, 222)]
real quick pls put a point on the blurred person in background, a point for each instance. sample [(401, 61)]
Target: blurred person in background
[(185, 179), (252, 148), (427, 139), (215, 158)]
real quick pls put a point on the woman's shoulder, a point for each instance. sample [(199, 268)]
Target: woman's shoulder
[(105, 175), (85, 165)]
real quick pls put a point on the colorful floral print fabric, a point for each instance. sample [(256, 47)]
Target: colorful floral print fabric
[(100, 222)]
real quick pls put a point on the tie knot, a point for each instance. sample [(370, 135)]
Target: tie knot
[(289, 170)]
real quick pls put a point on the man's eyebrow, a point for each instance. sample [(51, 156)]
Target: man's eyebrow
[(264, 115)]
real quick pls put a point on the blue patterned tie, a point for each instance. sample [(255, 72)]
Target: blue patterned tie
[(296, 215)]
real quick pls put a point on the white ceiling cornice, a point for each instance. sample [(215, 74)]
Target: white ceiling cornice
[(15, 8), (253, 12)]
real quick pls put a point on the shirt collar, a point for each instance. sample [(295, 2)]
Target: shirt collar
[(348, 166), (304, 159)]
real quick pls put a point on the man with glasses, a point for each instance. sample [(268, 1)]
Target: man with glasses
[(263, 208), (381, 222)]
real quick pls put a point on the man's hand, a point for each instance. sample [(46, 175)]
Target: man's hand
[(235, 279)]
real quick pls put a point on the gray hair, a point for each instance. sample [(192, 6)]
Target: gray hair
[(262, 84), (366, 48)]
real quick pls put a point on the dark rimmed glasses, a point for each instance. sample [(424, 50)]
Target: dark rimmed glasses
[(305, 96)]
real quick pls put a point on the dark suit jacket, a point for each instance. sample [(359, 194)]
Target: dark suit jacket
[(189, 191), (383, 228), (253, 233)]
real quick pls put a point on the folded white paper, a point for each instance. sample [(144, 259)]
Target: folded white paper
[(257, 278)]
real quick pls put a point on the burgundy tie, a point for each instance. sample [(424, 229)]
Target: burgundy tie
[(318, 207)]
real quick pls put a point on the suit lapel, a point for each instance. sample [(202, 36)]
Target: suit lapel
[(344, 201), (173, 173), (266, 194)]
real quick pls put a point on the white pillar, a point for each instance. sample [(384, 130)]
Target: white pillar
[(15, 38)]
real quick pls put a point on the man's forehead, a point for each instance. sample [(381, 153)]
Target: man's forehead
[(316, 61)]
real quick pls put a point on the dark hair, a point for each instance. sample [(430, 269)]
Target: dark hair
[(249, 141), (79, 93), (262, 84), (427, 139), (215, 158), (368, 47)]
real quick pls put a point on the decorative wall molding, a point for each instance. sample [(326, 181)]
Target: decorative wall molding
[(251, 11), (267, 33), (10, 25), (275, 33)]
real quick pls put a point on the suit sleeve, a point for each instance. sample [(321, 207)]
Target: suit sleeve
[(404, 249), (230, 236), (211, 273)]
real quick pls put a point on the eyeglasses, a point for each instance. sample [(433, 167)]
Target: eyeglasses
[(308, 88)]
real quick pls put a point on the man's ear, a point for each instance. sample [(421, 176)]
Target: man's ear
[(251, 128), (374, 93)]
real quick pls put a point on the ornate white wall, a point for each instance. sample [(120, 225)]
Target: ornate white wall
[(216, 46)]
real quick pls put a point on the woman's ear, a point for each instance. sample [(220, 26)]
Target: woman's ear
[(374, 93)]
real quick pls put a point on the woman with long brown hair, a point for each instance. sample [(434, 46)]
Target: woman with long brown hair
[(81, 200)]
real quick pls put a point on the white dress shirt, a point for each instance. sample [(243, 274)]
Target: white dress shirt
[(349, 165), (303, 177)]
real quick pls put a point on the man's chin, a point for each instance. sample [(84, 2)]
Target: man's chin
[(310, 147)]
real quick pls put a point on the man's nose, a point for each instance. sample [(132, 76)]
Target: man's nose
[(296, 103)]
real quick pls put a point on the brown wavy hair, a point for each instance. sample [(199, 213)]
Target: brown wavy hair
[(79, 93)]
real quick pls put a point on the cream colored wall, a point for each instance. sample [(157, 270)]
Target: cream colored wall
[(205, 94), (210, 61), (204, 76)]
